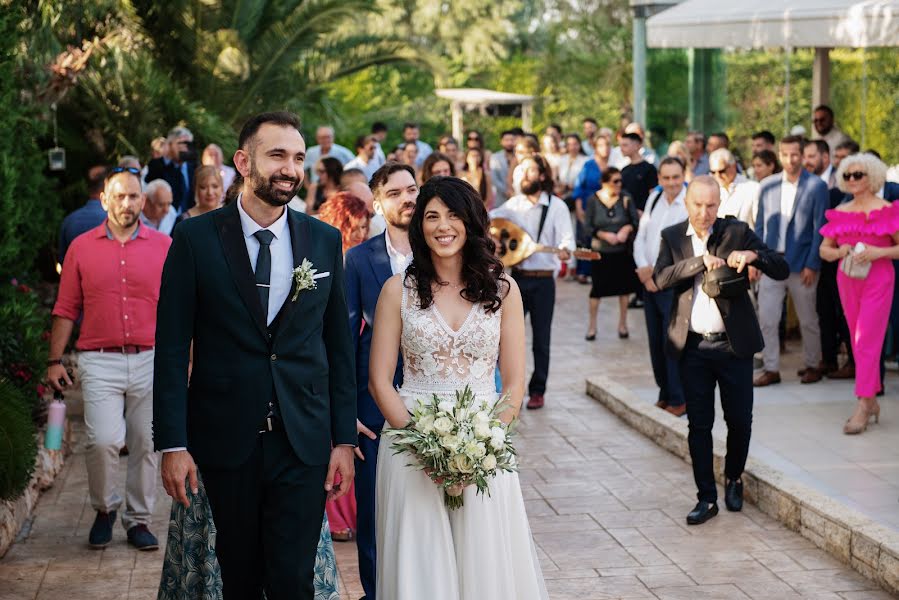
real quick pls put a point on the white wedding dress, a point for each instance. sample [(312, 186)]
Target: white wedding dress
[(424, 550)]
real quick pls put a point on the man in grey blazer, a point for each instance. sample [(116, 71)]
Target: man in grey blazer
[(790, 215)]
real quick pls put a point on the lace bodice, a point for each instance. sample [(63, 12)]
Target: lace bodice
[(438, 360)]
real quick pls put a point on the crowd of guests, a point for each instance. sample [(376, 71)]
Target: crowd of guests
[(820, 204)]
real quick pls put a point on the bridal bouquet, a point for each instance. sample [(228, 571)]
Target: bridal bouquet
[(458, 443)]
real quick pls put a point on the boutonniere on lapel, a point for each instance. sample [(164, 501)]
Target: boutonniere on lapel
[(304, 278)]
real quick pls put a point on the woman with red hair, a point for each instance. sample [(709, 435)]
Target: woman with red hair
[(348, 214)]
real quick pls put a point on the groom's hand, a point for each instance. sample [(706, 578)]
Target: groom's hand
[(176, 467), (341, 462)]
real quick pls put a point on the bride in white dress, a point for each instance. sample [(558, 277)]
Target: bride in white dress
[(471, 317)]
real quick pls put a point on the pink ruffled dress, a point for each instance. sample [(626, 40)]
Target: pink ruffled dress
[(866, 302)]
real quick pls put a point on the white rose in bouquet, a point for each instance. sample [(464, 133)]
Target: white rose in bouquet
[(489, 462), (426, 423), (481, 422), (451, 442), (446, 406), (497, 438), (443, 425), (462, 464), (475, 450)]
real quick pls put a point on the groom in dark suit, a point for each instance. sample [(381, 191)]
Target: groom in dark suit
[(268, 410), (368, 266), (714, 338)]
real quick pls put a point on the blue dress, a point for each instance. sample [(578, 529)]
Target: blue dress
[(190, 570)]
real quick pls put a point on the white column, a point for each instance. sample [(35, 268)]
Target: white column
[(639, 61), (527, 115), (821, 77), (457, 121)]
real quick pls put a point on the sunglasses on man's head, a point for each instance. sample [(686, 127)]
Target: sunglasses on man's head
[(856, 175), (132, 170)]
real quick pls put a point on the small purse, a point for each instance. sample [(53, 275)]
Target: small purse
[(724, 282), (853, 268)]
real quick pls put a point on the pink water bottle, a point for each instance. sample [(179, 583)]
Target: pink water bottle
[(56, 420)]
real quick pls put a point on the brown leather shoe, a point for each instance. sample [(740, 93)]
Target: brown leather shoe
[(678, 411), (662, 404), (766, 378), (811, 376), (535, 401), (847, 371)]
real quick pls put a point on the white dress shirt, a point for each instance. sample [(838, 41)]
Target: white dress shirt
[(557, 232), (649, 233), (741, 200), (398, 260), (705, 316), (827, 176), (166, 223), (314, 154), (282, 256), (787, 200), (570, 168), (619, 160), (368, 168)]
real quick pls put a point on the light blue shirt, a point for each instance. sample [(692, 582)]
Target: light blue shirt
[(282, 256)]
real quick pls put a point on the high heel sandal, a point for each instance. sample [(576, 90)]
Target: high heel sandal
[(590, 337), (855, 426)]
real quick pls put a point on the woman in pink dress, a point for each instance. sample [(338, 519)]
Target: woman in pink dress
[(870, 220)]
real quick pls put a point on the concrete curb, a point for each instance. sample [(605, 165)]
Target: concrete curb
[(854, 539)]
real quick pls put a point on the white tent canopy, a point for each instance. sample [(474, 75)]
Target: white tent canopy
[(776, 24), (479, 99)]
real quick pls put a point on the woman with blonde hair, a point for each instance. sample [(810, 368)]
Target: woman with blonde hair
[(678, 150), (863, 234), (210, 193)]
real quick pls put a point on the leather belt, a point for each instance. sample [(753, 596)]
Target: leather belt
[(129, 349), (716, 336), (535, 273)]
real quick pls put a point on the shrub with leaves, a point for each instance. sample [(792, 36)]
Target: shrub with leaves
[(18, 444), (24, 334)]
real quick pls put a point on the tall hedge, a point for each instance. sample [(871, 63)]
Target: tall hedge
[(28, 213)]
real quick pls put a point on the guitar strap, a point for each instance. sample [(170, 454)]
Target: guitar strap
[(542, 221)]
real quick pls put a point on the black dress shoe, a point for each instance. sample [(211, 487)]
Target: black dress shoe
[(702, 513), (733, 495), (101, 530)]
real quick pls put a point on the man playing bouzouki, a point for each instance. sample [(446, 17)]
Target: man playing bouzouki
[(545, 219)]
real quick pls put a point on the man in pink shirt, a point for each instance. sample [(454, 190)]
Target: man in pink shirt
[(112, 275)]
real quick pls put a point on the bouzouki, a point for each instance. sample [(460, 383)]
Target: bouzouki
[(514, 244)]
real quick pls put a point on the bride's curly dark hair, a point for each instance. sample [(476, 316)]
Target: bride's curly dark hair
[(481, 270)]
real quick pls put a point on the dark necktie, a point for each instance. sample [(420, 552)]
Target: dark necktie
[(264, 267)]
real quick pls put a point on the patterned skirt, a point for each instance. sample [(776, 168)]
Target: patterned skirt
[(190, 570)]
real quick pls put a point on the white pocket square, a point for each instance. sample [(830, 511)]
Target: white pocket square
[(321, 275)]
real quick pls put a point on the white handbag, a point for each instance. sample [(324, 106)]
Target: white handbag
[(852, 267)]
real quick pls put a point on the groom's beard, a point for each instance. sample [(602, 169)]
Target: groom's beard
[(266, 190)]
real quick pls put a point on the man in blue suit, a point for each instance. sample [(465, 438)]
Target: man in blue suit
[(790, 215), (368, 266)]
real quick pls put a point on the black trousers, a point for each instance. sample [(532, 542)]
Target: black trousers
[(268, 516), (366, 471), (539, 297), (657, 308), (831, 320), (703, 366)]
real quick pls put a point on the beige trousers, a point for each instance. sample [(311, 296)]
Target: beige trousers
[(118, 410), (770, 306)]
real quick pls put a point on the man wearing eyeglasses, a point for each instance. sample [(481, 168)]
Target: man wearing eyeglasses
[(738, 194), (822, 121), (790, 216), (177, 167), (112, 275)]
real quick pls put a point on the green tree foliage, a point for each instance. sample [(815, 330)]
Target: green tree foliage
[(28, 211), (18, 446)]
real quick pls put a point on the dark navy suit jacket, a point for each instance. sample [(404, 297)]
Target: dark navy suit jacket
[(803, 235), (367, 268)]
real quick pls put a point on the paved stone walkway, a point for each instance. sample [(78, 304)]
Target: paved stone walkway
[(607, 510)]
